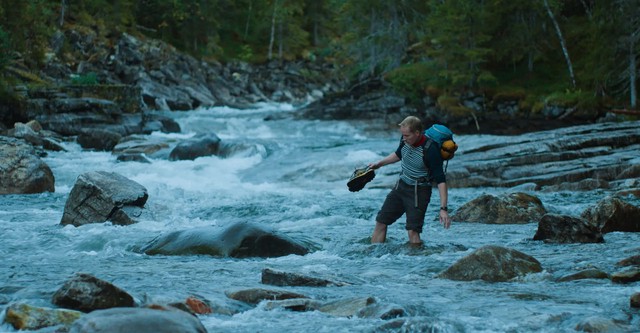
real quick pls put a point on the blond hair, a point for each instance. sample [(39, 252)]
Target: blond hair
[(413, 123)]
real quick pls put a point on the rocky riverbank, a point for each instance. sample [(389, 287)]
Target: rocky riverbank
[(468, 113), (139, 76), (92, 83)]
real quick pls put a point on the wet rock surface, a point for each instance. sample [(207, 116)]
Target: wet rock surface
[(101, 196), (509, 208), (554, 228), (140, 320), (86, 293), (241, 240), (492, 263), (21, 169), (606, 152)]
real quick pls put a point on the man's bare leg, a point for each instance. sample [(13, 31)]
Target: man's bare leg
[(414, 237), (379, 233)]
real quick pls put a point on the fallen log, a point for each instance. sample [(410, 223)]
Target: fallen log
[(625, 111)]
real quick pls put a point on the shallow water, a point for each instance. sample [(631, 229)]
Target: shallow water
[(291, 175)]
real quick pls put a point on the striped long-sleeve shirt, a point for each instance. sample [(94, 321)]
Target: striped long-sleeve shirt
[(413, 164)]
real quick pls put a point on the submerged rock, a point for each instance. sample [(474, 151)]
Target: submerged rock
[(140, 320), (102, 196), (586, 274), (87, 293), (631, 261), (348, 307), (634, 301), (199, 146), (629, 275), (599, 324), (240, 240), (421, 324), (381, 311), (294, 304), (492, 264), (510, 208), (255, 296), (277, 278)]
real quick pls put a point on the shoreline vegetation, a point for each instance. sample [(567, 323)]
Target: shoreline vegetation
[(480, 68)]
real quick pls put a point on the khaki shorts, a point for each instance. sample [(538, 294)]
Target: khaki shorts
[(402, 200)]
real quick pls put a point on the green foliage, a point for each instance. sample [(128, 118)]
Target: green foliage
[(411, 80), (27, 25), (491, 45), (516, 94), (5, 49), (452, 105), (460, 32), (519, 36), (246, 53), (377, 33), (291, 38), (572, 98), (189, 25), (12, 106), (88, 79)]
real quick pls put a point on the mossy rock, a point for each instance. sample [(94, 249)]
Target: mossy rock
[(433, 91), (446, 101), (509, 95)]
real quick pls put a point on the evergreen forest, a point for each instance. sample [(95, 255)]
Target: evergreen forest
[(578, 51)]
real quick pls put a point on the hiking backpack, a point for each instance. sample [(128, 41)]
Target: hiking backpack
[(443, 137)]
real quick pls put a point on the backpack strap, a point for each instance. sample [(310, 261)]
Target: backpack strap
[(424, 156)]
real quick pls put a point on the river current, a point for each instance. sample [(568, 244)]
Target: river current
[(290, 175)]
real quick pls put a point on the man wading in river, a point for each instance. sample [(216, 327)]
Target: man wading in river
[(412, 192)]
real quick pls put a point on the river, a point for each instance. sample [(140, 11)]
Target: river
[(290, 175)]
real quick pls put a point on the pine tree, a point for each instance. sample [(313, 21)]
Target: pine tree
[(460, 31)]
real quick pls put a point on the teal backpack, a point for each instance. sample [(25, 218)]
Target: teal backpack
[(443, 137)]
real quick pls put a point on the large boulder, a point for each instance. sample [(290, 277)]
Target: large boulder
[(554, 228), (613, 214), (510, 208), (140, 320), (240, 240), (21, 170), (492, 264), (101, 196), (86, 293)]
